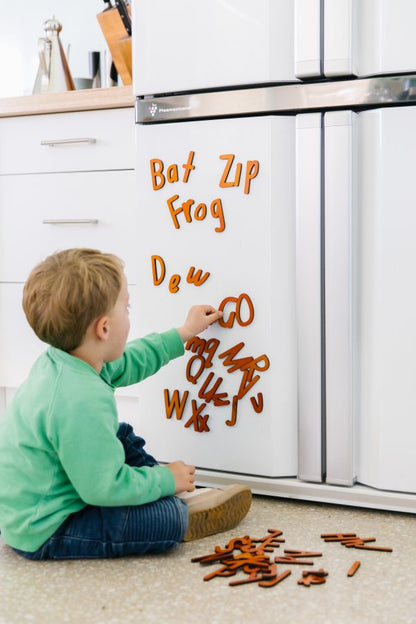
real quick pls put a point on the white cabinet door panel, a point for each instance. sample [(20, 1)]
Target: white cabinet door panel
[(36, 213), (81, 141)]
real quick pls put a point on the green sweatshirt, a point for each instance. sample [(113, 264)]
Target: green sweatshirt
[(58, 446)]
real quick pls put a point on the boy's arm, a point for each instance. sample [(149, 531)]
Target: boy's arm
[(145, 356)]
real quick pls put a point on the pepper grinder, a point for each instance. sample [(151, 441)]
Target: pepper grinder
[(53, 73)]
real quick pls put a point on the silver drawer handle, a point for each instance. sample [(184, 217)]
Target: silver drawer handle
[(53, 142), (69, 221)]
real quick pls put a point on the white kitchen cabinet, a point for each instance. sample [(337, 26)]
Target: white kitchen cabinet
[(76, 190), (83, 209), (83, 141)]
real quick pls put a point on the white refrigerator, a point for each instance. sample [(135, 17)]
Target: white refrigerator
[(282, 198)]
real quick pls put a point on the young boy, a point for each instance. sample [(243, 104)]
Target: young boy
[(74, 483)]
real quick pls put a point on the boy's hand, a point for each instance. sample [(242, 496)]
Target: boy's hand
[(199, 318), (184, 476)]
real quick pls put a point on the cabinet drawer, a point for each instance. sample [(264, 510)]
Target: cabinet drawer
[(40, 214), (82, 141)]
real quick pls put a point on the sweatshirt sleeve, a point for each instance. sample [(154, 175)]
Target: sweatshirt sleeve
[(93, 457), (143, 357)]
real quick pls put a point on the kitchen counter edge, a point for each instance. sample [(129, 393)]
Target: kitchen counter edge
[(67, 101)]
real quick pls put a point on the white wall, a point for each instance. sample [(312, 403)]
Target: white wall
[(22, 24)]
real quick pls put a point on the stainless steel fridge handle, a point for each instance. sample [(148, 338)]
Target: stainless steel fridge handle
[(70, 221), (371, 92), (53, 142)]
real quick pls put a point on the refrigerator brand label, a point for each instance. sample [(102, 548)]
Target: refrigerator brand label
[(153, 109)]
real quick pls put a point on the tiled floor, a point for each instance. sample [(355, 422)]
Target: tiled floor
[(169, 589)]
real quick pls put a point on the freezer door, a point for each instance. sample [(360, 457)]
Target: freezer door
[(309, 291), (368, 38), (185, 45), (217, 210), (338, 32), (371, 299), (308, 40)]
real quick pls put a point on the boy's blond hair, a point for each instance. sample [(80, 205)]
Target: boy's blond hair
[(67, 291)]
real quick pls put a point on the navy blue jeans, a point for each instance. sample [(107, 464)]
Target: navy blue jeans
[(107, 532)]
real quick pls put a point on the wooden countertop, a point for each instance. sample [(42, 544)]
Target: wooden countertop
[(67, 101)]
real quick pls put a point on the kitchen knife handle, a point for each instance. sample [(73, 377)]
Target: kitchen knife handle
[(124, 14), (70, 221), (53, 142)]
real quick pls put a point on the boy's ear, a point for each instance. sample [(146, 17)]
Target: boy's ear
[(102, 327)]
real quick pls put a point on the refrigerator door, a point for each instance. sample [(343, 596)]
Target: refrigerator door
[(217, 211), (309, 294), (374, 340), (338, 193), (369, 38), (185, 45)]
